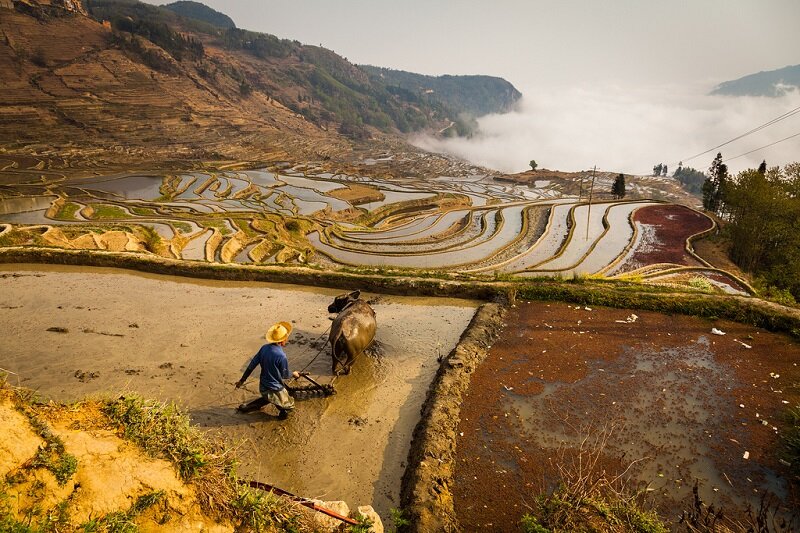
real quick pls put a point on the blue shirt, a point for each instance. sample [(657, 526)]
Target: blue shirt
[(274, 368)]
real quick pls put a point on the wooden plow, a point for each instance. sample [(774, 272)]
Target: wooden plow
[(312, 388)]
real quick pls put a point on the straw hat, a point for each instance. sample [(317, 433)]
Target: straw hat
[(278, 333)]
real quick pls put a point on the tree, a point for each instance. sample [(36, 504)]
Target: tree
[(618, 189), (664, 171), (763, 217), (691, 179), (657, 169), (533, 164), (715, 185)]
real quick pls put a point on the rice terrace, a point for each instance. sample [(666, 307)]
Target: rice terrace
[(585, 350)]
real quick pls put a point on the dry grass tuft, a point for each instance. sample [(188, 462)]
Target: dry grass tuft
[(590, 499)]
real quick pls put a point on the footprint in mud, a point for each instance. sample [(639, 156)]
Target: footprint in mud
[(357, 421), (83, 377)]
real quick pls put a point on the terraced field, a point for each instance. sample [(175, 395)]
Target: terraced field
[(304, 215)]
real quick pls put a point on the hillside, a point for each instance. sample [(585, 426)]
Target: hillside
[(198, 11), (76, 89), (473, 95), (772, 83), (134, 82)]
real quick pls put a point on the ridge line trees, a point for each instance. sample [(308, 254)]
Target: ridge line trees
[(762, 210), (618, 188), (714, 186)]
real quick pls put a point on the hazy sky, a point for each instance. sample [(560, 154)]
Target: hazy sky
[(536, 43), (590, 70)]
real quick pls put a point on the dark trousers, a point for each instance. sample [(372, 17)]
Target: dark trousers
[(255, 405)]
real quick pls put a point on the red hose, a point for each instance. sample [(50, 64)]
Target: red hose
[(302, 501)]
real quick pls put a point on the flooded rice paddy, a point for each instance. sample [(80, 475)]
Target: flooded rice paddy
[(658, 395), (463, 223)]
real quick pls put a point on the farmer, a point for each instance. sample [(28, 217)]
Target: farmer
[(274, 369)]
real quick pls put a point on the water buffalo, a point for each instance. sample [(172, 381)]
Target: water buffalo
[(352, 330)]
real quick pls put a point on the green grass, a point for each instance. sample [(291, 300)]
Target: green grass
[(244, 225), (218, 224), (34, 520), (160, 429), (12, 238), (701, 283), (262, 511), (569, 510), (150, 238), (364, 525), (67, 211), (588, 497), (398, 519), (183, 227), (790, 440), (51, 455), (122, 522), (102, 211)]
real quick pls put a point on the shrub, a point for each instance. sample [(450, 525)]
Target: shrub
[(38, 58)]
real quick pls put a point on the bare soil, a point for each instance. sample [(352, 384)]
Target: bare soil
[(110, 474), (70, 332), (677, 403), (358, 193)]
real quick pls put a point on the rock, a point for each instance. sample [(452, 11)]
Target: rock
[(455, 362), (368, 512), (323, 522)]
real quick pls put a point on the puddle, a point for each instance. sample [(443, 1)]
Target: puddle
[(130, 187), (24, 204)]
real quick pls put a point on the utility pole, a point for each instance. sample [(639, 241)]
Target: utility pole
[(589, 211)]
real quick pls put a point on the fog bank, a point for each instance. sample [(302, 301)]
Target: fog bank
[(627, 130)]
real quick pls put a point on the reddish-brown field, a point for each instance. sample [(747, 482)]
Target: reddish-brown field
[(663, 233), (677, 403)]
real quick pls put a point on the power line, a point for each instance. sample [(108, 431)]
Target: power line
[(766, 146), (757, 128)]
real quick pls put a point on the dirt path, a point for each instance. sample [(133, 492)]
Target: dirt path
[(682, 403), (189, 340)]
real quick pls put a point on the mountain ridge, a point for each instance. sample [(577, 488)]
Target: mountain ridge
[(201, 12), (136, 80), (473, 94), (772, 83)]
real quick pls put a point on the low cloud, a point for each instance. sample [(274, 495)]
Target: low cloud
[(625, 130)]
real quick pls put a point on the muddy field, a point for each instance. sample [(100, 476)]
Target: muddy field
[(664, 230), (675, 403), (188, 341)]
